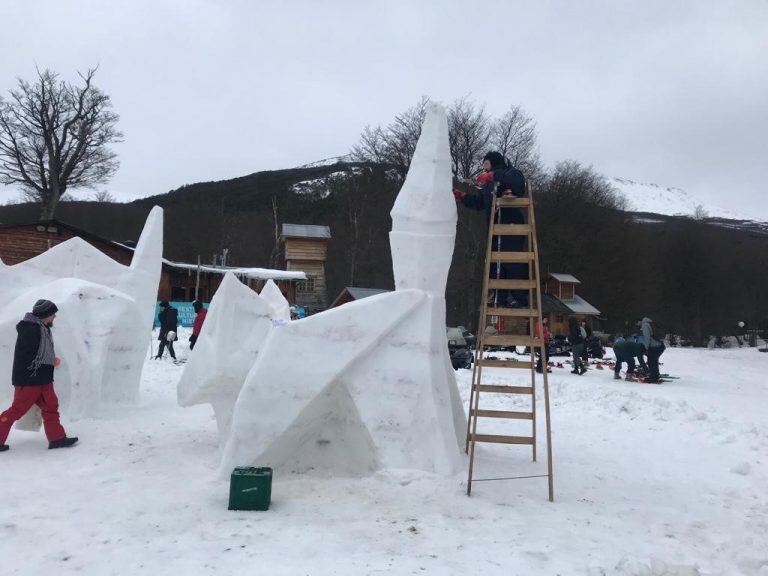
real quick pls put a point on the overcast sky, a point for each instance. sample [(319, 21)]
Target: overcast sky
[(674, 93)]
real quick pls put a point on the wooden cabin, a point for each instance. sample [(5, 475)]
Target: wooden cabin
[(306, 249), (351, 293), (560, 302), (178, 281)]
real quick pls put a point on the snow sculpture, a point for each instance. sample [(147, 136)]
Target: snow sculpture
[(237, 323), (104, 320), (368, 385), (271, 293)]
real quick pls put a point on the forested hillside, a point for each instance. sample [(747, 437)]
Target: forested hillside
[(693, 276)]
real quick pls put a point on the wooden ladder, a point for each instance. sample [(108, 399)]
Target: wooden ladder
[(532, 315)]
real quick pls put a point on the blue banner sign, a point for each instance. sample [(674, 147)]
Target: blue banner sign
[(186, 313)]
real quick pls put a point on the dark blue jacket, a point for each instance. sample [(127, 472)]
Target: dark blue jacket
[(505, 179)]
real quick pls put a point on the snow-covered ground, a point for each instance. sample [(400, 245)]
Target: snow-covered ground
[(671, 201), (649, 480)]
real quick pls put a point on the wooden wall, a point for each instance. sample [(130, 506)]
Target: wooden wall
[(21, 243)]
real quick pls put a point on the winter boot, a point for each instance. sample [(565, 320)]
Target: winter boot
[(63, 443), (575, 371), (4, 447), (616, 376), (582, 370)]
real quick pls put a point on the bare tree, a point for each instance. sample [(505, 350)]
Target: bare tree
[(104, 196), (395, 144), (54, 137), (469, 128), (472, 133), (514, 135)]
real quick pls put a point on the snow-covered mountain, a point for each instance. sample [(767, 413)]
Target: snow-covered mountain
[(655, 199)]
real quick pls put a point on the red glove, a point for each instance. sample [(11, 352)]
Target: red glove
[(458, 195), (484, 177)]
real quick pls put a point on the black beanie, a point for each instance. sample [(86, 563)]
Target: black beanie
[(196, 305), (164, 304), (496, 160), (44, 308)]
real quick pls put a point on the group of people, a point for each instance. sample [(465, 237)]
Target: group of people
[(645, 344), (168, 318), (500, 179)]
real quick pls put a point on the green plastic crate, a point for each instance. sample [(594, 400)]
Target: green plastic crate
[(250, 488)]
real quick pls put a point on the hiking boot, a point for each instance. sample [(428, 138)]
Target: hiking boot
[(63, 443), (616, 376), (4, 447)]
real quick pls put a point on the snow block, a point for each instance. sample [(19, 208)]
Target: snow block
[(234, 331), (104, 320), (353, 390)]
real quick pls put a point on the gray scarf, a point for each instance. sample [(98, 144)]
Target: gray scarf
[(45, 353)]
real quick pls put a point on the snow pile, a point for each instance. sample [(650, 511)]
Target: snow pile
[(104, 319), (368, 385), (233, 333), (655, 199)]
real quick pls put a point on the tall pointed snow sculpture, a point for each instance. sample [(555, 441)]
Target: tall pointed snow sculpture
[(104, 321), (424, 215), (367, 385), (234, 331)]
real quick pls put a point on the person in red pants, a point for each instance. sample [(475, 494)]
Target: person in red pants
[(33, 363)]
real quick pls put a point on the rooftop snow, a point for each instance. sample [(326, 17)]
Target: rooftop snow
[(306, 231)]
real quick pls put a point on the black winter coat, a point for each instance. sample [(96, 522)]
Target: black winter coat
[(27, 345), (574, 333), (169, 321)]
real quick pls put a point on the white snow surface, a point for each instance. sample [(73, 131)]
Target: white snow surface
[(235, 327), (649, 480), (105, 314), (671, 201), (271, 293)]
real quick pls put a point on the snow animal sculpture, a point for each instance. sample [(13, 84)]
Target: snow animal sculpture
[(104, 320), (237, 323), (368, 385), (271, 293)]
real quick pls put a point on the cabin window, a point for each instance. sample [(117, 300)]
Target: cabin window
[(307, 285)]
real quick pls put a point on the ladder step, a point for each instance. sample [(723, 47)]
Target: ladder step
[(503, 389), (511, 340), (512, 284), (512, 256), (502, 414), (488, 363), (511, 230), (501, 439), (509, 201), (519, 312)]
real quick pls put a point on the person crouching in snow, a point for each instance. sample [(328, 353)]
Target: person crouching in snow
[(32, 378), (200, 313)]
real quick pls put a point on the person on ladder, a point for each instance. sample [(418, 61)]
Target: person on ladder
[(500, 178)]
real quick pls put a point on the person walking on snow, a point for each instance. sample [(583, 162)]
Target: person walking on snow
[(577, 337), (200, 312), (501, 179), (32, 376), (169, 322), (654, 347)]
